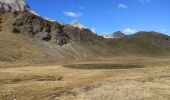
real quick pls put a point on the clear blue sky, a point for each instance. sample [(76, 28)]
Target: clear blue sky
[(109, 16)]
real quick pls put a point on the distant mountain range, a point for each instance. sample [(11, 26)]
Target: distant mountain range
[(117, 34), (28, 37)]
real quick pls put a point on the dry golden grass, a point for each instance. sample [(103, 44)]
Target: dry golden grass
[(55, 82)]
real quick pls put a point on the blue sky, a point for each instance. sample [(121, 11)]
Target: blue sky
[(108, 16)]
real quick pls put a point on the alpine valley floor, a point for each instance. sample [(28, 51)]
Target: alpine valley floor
[(125, 78)]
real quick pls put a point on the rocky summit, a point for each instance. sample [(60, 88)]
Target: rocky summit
[(118, 34), (13, 5)]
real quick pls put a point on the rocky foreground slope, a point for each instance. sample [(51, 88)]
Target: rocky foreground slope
[(25, 36)]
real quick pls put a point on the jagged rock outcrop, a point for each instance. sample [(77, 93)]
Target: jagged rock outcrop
[(84, 35), (30, 24), (36, 26), (33, 25), (13, 5)]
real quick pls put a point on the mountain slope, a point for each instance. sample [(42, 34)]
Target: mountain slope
[(30, 38), (28, 46), (16, 47), (143, 43)]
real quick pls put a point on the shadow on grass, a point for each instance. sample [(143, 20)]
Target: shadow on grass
[(103, 66)]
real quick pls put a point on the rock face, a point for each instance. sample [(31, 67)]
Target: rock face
[(13, 5), (84, 35), (36, 26), (33, 25), (118, 34)]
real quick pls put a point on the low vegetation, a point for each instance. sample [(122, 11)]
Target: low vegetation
[(103, 66)]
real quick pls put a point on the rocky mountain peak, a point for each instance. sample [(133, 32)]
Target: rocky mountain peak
[(13, 5), (107, 36), (76, 23), (118, 34)]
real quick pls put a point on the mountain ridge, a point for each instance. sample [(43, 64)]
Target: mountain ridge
[(24, 31)]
